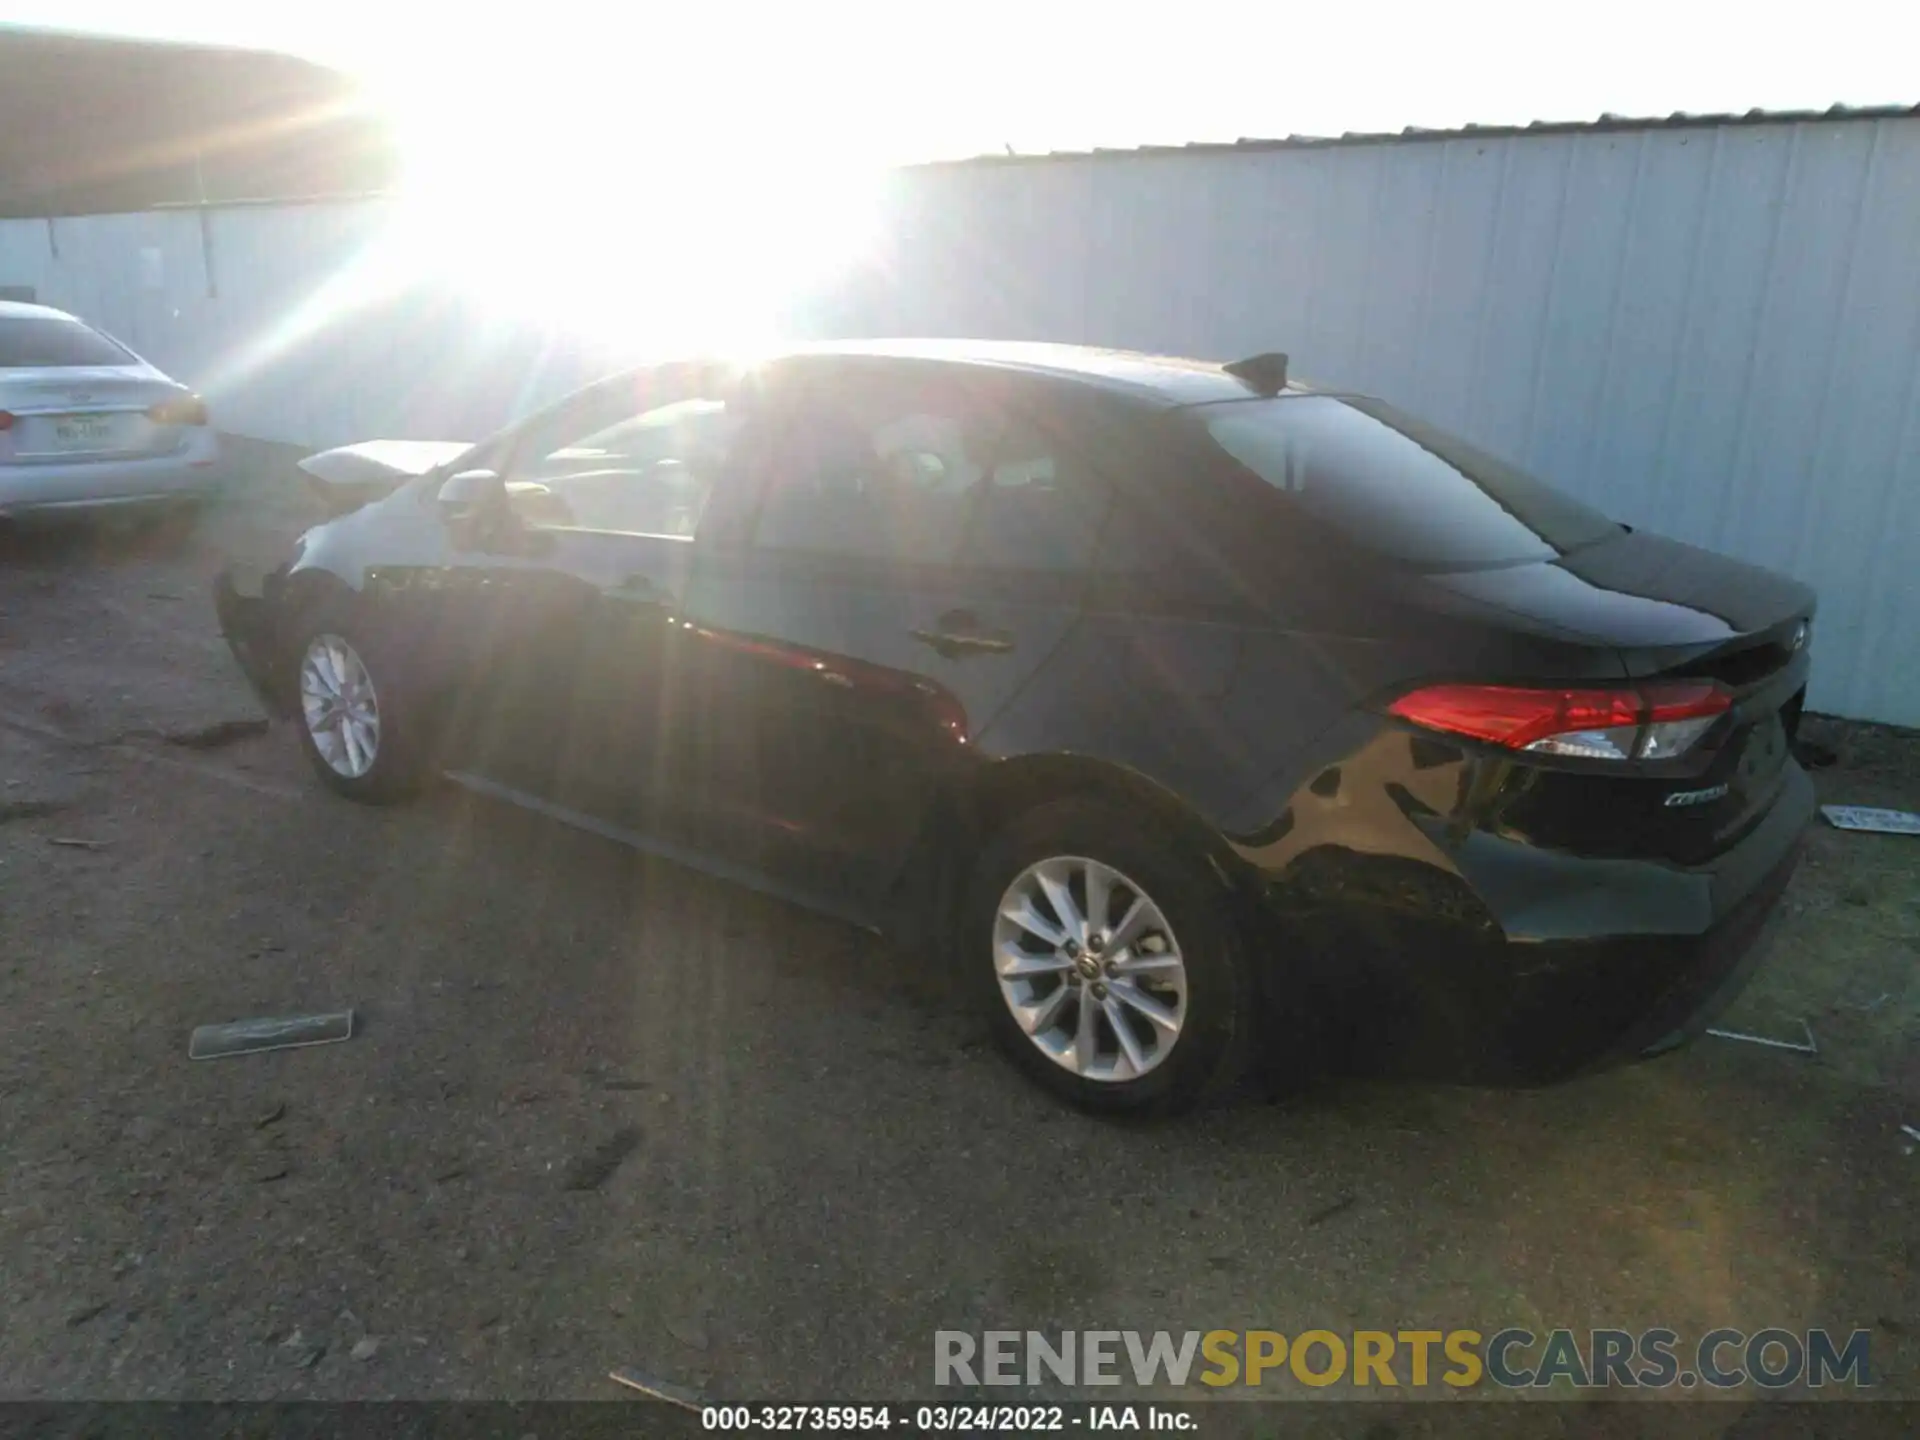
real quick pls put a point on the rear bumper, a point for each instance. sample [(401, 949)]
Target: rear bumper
[(1712, 977), (53, 489), (1620, 960)]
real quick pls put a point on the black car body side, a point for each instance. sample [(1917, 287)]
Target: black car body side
[(845, 733)]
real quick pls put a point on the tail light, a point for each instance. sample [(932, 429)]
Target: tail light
[(6, 419), (181, 410), (1646, 722)]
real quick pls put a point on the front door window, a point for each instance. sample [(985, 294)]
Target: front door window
[(620, 463)]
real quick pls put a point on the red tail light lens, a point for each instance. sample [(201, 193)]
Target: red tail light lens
[(6, 419), (182, 410), (1648, 722)]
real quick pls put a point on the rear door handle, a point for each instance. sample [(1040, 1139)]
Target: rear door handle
[(958, 633)]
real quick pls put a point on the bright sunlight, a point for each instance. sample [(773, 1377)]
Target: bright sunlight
[(599, 189)]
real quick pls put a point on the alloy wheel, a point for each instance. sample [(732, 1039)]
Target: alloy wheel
[(340, 706), (1090, 968)]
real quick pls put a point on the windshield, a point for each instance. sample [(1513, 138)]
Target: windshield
[(1399, 487), (30, 342)]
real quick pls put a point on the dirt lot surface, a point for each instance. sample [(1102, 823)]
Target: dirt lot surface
[(601, 1111)]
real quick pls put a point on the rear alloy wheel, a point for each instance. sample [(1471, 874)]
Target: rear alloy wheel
[(352, 714), (1090, 969), (1104, 952)]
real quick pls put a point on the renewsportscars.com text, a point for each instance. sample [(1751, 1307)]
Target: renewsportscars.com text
[(1512, 1358)]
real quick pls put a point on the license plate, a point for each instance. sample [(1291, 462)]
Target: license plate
[(84, 432), (1879, 822), (1766, 751)]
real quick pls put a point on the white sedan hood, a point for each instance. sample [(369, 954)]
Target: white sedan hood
[(386, 463)]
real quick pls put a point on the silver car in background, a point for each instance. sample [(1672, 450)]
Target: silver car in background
[(86, 424)]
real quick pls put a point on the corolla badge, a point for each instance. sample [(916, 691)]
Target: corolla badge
[(1707, 796)]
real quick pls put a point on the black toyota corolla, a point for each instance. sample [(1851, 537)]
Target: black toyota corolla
[(1191, 713)]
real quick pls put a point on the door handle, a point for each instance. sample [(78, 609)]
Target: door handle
[(958, 634)]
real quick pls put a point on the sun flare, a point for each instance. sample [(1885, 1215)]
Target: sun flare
[(561, 210)]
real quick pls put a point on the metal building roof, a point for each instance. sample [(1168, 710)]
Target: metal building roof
[(1414, 134), (101, 123)]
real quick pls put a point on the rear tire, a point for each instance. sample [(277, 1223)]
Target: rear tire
[(1124, 986), (356, 720)]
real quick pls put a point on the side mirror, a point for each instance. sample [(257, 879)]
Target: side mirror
[(471, 502)]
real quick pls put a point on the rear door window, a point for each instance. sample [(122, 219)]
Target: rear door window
[(31, 342), (930, 474), (1040, 509), (1398, 487), (886, 473)]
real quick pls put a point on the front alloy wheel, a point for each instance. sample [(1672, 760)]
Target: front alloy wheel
[(359, 719), (340, 707)]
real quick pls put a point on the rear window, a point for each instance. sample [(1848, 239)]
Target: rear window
[(33, 341), (1398, 487)]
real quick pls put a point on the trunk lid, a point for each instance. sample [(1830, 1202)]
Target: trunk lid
[(1659, 603), (68, 413), (1669, 611)]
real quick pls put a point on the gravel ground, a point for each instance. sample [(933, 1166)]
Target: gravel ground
[(601, 1111)]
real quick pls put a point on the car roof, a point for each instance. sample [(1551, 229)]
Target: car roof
[(21, 310), (1162, 379)]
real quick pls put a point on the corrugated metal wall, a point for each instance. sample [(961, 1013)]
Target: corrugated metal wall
[(1709, 332)]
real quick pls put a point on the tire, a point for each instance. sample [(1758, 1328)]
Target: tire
[(332, 644), (1209, 993)]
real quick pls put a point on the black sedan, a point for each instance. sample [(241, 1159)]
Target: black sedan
[(1193, 714)]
